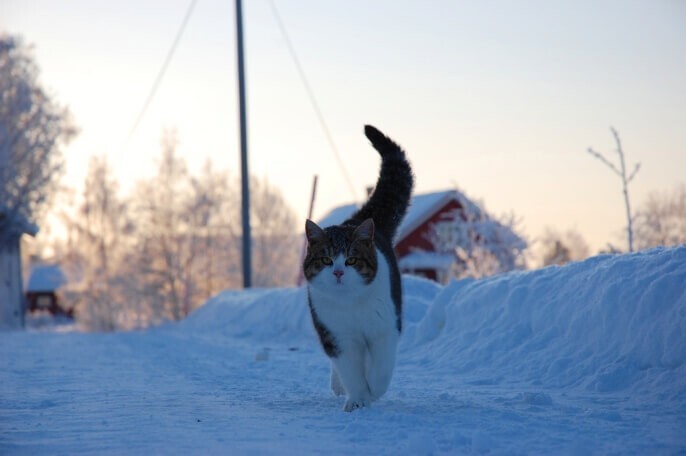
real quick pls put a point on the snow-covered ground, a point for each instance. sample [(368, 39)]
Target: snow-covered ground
[(588, 358)]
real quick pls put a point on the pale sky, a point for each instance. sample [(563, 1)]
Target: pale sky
[(498, 98)]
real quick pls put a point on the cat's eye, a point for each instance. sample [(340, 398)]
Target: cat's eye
[(327, 261), (350, 261)]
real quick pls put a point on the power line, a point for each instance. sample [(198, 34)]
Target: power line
[(163, 70), (313, 101)]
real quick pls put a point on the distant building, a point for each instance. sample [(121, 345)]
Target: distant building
[(42, 290), (12, 227), (417, 252)]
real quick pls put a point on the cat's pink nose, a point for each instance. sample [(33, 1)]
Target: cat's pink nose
[(338, 273)]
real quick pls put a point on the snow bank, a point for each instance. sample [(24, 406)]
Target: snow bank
[(261, 315), (582, 359), (607, 324)]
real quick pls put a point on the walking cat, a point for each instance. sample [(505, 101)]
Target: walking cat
[(353, 283)]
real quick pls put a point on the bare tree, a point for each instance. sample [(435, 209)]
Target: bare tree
[(562, 248), (99, 232), (214, 210), (626, 179), (162, 252), (661, 220), (33, 128), (189, 234), (276, 247), (164, 256)]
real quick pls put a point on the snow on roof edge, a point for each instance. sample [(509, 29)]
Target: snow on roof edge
[(46, 277)]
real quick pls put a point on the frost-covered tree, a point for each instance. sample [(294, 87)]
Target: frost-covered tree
[(561, 248), (276, 247), (188, 234), (481, 245), (661, 220), (214, 207), (99, 231), (164, 254), (33, 129), (165, 249)]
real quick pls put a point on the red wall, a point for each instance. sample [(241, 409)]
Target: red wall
[(417, 238)]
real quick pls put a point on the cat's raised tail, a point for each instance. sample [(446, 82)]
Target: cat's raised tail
[(391, 197)]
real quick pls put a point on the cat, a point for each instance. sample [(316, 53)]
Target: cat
[(353, 283)]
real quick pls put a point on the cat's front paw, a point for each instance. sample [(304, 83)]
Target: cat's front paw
[(336, 385), (337, 390), (353, 404)]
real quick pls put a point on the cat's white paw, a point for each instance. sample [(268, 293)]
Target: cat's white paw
[(353, 404), (336, 385), (337, 390)]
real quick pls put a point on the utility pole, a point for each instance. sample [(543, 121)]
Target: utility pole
[(301, 277), (245, 177)]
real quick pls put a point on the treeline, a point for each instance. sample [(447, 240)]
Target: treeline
[(158, 253), (659, 221)]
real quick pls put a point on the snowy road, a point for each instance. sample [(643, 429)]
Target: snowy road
[(222, 383), (162, 392)]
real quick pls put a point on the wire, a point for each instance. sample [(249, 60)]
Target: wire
[(163, 70), (313, 100)]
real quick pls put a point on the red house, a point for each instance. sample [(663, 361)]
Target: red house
[(416, 252), (41, 291)]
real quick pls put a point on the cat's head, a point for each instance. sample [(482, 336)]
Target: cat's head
[(340, 257)]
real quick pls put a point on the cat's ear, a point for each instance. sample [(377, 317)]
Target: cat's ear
[(365, 232), (313, 232)]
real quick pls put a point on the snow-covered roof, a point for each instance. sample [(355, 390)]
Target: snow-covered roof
[(422, 207), (46, 277)]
